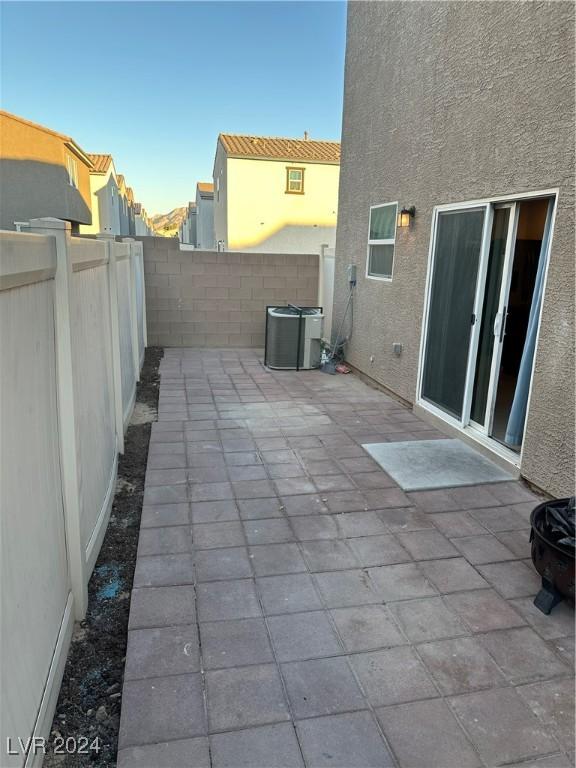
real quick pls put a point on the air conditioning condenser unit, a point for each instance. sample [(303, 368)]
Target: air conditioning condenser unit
[(293, 337)]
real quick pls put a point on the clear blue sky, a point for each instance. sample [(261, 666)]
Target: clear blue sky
[(154, 83)]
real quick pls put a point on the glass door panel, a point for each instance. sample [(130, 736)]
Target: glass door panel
[(456, 259), (490, 310)]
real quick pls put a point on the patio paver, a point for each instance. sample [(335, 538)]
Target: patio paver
[(293, 606)]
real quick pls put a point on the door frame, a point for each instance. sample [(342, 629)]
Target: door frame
[(464, 424), (506, 279)]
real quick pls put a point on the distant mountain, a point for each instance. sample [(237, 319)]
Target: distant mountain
[(167, 224)]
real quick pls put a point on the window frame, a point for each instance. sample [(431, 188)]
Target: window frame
[(72, 168), (386, 241), (289, 191)]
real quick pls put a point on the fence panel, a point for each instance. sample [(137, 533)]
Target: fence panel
[(125, 323), (36, 600), (70, 321), (93, 390)]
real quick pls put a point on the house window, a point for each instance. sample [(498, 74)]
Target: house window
[(381, 240), (72, 168), (294, 181)]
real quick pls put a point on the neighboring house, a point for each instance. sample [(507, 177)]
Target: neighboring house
[(114, 209), (142, 223), (205, 216), (105, 198), (275, 195), (187, 231), (467, 312), (123, 205), (42, 173), (131, 213)]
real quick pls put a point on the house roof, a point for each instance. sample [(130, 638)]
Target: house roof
[(101, 163), (67, 140), (205, 188), (276, 148), (130, 194)]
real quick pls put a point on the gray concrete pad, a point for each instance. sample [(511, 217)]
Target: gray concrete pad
[(502, 726), (367, 628), (440, 741), (303, 636), (342, 741), (162, 709), (393, 676), (184, 753), (420, 465), (159, 651), (269, 746), (321, 687), (235, 643), (238, 698)]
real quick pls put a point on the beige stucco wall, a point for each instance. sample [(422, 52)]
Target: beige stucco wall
[(105, 204), (262, 217), (34, 177), (204, 221), (220, 196), (447, 102), (201, 298)]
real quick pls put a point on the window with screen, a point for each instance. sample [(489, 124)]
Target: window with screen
[(381, 241), (295, 181)]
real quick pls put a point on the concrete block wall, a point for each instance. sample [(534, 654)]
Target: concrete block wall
[(198, 298)]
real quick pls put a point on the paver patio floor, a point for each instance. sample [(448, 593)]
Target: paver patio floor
[(293, 606)]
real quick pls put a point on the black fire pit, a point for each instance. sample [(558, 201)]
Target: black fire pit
[(552, 538)]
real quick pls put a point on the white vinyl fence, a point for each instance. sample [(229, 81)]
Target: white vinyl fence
[(326, 288), (72, 340)]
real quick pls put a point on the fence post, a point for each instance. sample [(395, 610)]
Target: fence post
[(321, 287), (133, 308), (115, 332), (60, 230), (144, 323)]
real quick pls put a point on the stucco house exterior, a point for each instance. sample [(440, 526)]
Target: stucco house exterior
[(142, 224), (114, 209), (467, 311), (105, 197), (187, 230), (42, 173), (126, 208), (131, 212), (275, 195), (205, 215)]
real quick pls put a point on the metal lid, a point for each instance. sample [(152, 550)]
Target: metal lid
[(292, 311)]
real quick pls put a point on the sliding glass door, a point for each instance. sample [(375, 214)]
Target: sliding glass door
[(493, 320), (484, 296), (458, 243)]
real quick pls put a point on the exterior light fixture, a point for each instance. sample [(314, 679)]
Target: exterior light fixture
[(406, 215)]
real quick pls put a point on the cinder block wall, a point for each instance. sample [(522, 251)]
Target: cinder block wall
[(200, 298)]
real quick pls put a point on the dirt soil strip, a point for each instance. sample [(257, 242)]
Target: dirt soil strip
[(90, 696)]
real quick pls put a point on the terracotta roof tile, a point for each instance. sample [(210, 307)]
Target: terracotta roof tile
[(101, 163), (205, 186), (301, 150)]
